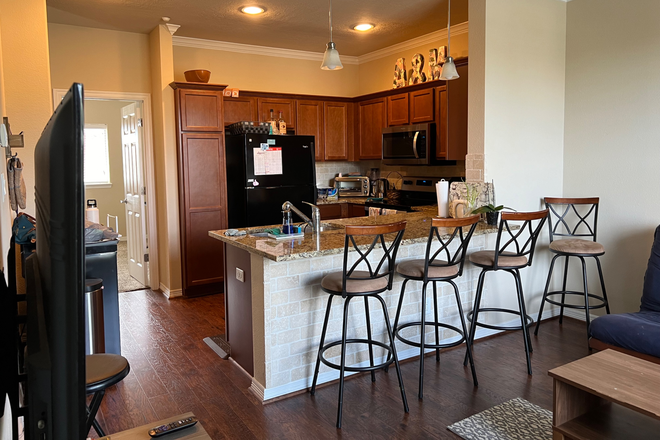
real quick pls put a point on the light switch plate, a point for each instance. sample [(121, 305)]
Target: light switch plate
[(240, 275)]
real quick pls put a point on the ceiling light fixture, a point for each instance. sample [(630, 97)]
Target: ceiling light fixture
[(363, 27), (252, 10), (448, 68), (331, 59)]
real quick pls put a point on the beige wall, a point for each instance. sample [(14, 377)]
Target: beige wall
[(109, 113), (100, 59), (5, 210), (377, 75), (27, 89), (612, 132), (264, 73), (165, 158), (523, 57)]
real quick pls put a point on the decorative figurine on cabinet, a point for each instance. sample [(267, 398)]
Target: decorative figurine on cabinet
[(417, 75), (436, 60), (400, 76)]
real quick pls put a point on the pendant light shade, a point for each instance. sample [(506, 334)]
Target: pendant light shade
[(448, 68), (331, 59)]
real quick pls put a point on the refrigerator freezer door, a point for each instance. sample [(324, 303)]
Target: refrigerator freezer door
[(275, 161), (264, 205)]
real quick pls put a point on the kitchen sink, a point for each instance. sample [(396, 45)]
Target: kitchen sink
[(261, 232)]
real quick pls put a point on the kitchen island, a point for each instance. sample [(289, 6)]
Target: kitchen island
[(275, 305)]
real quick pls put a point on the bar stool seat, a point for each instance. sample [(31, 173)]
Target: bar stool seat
[(577, 246), (333, 283), (351, 283), (415, 269), (505, 259), (102, 371)]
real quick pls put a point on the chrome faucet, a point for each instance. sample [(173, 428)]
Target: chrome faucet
[(315, 222)]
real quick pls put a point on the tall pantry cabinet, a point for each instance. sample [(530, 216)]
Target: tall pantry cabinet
[(202, 185)]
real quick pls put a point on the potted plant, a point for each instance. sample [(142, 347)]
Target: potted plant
[(492, 212)]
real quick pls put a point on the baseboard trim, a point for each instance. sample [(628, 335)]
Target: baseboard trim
[(170, 293), (328, 376), (257, 389)]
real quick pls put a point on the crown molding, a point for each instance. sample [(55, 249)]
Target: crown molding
[(172, 28), (255, 50), (431, 38)]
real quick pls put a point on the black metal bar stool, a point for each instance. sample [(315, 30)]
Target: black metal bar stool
[(576, 219), (512, 252), (102, 371), (435, 269), (370, 283)]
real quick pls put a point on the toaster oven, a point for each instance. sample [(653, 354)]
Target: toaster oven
[(353, 186)]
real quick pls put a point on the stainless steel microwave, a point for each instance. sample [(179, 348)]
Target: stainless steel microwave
[(409, 145)]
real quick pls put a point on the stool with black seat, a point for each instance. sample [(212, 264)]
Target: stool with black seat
[(102, 370), (434, 269), (513, 251), (370, 283), (577, 220)]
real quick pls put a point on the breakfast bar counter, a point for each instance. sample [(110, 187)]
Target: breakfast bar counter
[(275, 306)]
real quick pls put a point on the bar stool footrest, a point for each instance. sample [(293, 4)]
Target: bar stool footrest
[(528, 318), (602, 300), (429, 345), (387, 348)]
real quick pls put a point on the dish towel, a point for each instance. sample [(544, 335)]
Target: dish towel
[(16, 184)]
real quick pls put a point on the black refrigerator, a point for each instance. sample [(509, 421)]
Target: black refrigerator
[(263, 172)]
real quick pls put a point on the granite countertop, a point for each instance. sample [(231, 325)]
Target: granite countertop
[(331, 242), (339, 200)]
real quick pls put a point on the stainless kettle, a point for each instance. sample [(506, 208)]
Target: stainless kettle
[(381, 186)]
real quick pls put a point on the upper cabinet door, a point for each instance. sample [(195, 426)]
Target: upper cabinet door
[(372, 118), (441, 123), (309, 115), (457, 114), (240, 109), (286, 106), (201, 110), (421, 106), (397, 110), (335, 130)]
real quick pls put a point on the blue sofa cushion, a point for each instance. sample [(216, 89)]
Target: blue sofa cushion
[(639, 331), (651, 294)]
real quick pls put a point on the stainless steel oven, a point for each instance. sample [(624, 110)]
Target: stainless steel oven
[(353, 186), (409, 144)]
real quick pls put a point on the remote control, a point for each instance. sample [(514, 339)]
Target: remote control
[(173, 427)]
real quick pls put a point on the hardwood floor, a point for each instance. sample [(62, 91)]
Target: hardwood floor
[(173, 371)]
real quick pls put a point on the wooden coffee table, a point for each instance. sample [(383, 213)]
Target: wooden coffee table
[(606, 395), (196, 432)]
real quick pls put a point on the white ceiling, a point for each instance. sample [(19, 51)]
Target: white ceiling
[(289, 24)]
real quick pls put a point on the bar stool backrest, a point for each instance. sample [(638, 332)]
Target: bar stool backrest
[(354, 240), (520, 242), (572, 217), (443, 257)]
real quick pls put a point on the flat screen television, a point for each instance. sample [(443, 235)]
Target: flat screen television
[(55, 280)]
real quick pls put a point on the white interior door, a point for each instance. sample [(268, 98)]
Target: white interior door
[(134, 194)]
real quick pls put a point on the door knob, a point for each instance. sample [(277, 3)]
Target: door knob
[(123, 201)]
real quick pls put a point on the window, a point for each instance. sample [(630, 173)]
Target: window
[(97, 162)]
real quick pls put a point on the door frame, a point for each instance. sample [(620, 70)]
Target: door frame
[(149, 166)]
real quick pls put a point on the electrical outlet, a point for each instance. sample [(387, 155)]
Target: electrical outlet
[(240, 275)]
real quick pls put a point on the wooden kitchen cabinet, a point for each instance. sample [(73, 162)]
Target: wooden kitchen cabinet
[(397, 110), (422, 106), (457, 114), (240, 109), (441, 124), (372, 118), (355, 210), (202, 186), (309, 118), (286, 106), (336, 129), (330, 212)]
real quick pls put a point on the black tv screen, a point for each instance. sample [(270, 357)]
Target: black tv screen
[(55, 280)]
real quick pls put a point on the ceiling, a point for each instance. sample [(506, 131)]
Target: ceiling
[(289, 24)]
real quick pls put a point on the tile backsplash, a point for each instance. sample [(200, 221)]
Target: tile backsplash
[(327, 171)]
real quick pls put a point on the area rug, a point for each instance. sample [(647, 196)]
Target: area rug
[(126, 282), (220, 345), (516, 419)]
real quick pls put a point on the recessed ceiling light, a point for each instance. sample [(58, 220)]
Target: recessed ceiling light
[(363, 27), (252, 10)]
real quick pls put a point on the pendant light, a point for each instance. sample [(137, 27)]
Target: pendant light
[(449, 68), (331, 59)]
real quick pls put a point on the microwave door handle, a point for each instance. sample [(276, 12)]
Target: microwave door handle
[(415, 145)]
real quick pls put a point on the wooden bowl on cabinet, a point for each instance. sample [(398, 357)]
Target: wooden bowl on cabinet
[(197, 75)]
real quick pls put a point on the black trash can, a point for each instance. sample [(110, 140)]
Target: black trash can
[(94, 323)]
